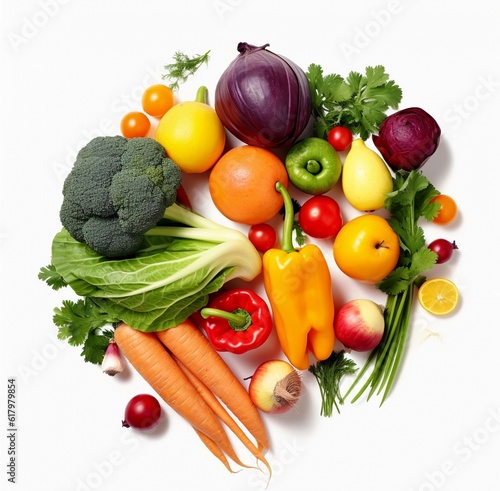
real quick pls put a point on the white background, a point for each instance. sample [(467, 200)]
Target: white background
[(71, 69)]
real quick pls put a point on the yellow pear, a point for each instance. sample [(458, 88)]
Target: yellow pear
[(366, 179)]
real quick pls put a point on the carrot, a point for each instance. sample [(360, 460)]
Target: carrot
[(223, 415), (189, 345), (214, 448), (149, 357)]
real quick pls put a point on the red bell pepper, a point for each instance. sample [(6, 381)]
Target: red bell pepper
[(237, 321)]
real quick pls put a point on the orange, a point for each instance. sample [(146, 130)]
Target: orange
[(242, 184), (438, 296)]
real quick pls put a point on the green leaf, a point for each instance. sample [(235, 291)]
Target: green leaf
[(95, 346), (51, 277)]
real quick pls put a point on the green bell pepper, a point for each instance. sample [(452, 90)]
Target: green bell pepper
[(313, 165)]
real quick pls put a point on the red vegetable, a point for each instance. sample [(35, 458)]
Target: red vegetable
[(262, 236), (237, 321), (407, 139), (320, 217), (262, 98), (339, 137), (443, 248), (142, 412)]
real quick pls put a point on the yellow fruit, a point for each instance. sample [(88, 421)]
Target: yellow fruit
[(438, 296), (366, 179), (366, 248), (193, 135)]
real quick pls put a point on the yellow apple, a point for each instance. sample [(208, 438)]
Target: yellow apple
[(366, 248)]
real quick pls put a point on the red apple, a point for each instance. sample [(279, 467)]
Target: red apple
[(359, 325)]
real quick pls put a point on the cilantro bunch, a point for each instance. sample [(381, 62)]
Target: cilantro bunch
[(409, 201), (359, 102)]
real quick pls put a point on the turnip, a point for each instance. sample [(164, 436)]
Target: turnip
[(359, 325)]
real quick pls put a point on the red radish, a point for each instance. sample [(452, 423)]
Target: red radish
[(275, 386), (359, 325)]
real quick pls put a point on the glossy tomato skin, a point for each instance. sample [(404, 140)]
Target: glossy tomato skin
[(135, 125), (157, 99), (262, 236), (339, 138), (448, 211), (142, 412), (320, 217)]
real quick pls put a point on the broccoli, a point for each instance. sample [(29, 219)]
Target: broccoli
[(116, 191)]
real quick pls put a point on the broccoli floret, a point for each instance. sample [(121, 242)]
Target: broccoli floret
[(116, 191)]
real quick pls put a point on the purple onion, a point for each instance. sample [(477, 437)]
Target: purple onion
[(262, 98), (407, 139)]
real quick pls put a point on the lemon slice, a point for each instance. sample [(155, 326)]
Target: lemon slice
[(438, 296)]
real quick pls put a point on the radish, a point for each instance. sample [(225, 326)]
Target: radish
[(359, 325)]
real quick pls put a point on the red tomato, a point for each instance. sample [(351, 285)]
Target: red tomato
[(320, 217), (157, 100), (142, 412), (262, 236), (135, 125), (339, 138)]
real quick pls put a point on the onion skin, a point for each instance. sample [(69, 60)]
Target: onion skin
[(407, 139), (262, 98), (275, 387), (359, 325)]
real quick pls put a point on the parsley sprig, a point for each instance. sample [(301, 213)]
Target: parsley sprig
[(409, 201), (359, 102)]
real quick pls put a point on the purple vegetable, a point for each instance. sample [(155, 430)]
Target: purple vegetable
[(262, 98), (407, 139)]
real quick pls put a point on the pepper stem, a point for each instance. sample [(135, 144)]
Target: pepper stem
[(239, 319), (286, 239), (201, 95)]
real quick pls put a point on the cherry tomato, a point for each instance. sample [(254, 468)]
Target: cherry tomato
[(135, 125), (157, 100), (262, 236), (443, 248), (320, 217), (339, 138), (142, 412), (448, 210)]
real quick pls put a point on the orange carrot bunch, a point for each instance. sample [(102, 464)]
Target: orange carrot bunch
[(193, 379)]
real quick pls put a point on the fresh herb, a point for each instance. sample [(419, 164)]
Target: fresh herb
[(183, 67), (328, 374), (359, 102), (410, 201), (84, 323), (51, 277)]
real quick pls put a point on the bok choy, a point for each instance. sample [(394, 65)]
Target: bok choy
[(181, 261)]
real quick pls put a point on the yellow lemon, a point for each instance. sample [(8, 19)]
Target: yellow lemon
[(192, 135), (438, 296)]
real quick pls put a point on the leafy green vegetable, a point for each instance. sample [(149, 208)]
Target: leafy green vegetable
[(409, 202), (328, 374), (183, 66), (359, 102), (182, 260), (82, 323)]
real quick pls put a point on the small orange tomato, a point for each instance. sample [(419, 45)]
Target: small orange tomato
[(135, 125), (157, 100), (448, 210)]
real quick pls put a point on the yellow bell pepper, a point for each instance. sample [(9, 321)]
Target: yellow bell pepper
[(299, 288)]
